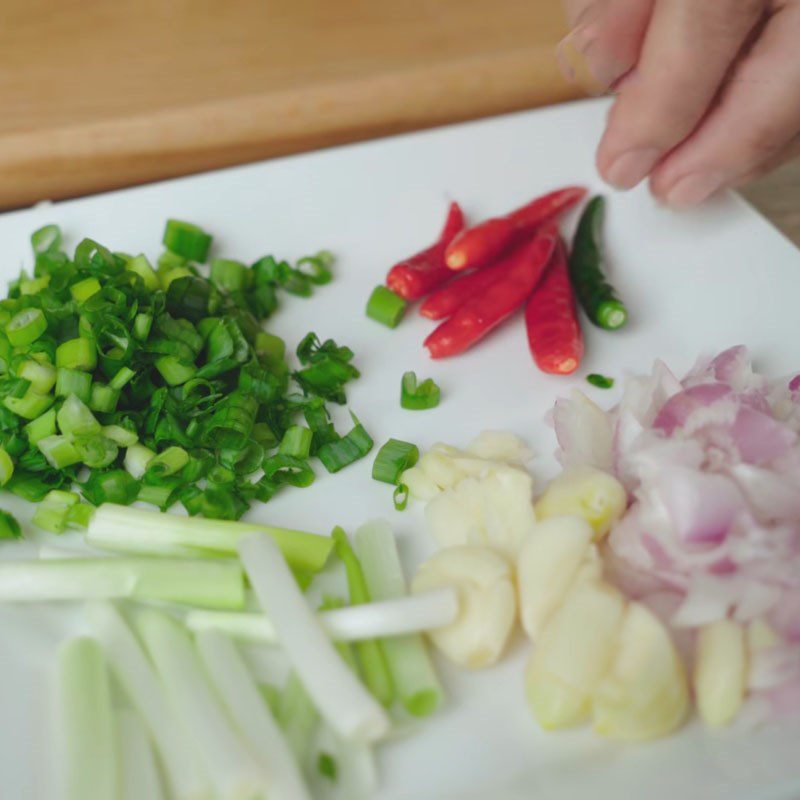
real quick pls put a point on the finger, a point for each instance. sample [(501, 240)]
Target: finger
[(605, 41), (755, 124), (688, 49)]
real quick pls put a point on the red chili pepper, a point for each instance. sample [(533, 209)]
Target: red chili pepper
[(481, 244), (446, 301), (422, 273), (523, 268), (551, 318)]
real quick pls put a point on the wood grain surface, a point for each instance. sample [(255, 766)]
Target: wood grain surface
[(97, 94)]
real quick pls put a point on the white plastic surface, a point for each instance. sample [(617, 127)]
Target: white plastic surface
[(693, 282)]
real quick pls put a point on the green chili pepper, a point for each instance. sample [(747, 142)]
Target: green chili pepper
[(586, 268)]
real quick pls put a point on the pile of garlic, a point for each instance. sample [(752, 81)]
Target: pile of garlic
[(596, 656)]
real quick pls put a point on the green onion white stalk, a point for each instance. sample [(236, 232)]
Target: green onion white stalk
[(87, 740), (406, 615), (214, 584), (298, 718), (137, 457), (139, 776), (134, 672), (414, 677), (252, 717), (136, 530), (336, 691), (233, 770)]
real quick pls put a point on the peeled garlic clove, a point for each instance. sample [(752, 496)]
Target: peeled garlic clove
[(585, 492), (720, 671), (546, 567), (420, 485), (487, 605), (440, 469), (454, 517), (573, 654), (645, 693), (507, 505), (499, 446)]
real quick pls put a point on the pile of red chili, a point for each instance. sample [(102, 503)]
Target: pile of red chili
[(509, 262)]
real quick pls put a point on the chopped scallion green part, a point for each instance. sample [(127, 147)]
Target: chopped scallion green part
[(386, 307), (141, 266), (393, 459), (9, 527), (296, 442), (400, 497), (84, 289), (75, 418), (231, 276), (172, 460), (600, 381), (30, 406), (77, 354), (338, 454), (137, 457), (26, 326), (42, 426), (418, 397), (34, 286), (42, 377), (174, 371), (51, 513), (120, 436), (187, 240), (103, 398), (46, 238), (319, 267), (73, 381), (6, 467), (59, 451), (122, 378)]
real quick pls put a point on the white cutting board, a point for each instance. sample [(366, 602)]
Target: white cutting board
[(693, 282)]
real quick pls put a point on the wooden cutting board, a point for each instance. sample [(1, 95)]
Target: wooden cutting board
[(104, 93)]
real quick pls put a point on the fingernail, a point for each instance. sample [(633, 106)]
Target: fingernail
[(694, 189), (574, 57), (632, 167)]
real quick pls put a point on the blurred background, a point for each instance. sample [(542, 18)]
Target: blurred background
[(99, 94)]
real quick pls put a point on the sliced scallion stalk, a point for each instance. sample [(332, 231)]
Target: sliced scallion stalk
[(123, 437), (73, 381), (418, 397), (42, 377), (59, 451), (9, 527), (168, 462), (74, 417), (412, 671), (174, 371), (394, 458), (137, 457), (83, 290), (30, 406), (342, 452), (41, 427), (46, 238), (103, 398), (6, 466), (77, 353), (296, 442), (139, 776), (142, 267), (26, 326), (386, 307), (51, 513), (187, 240), (122, 378)]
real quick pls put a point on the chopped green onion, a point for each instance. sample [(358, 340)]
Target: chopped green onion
[(79, 515), (34, 286), (51, 513), (229, 275), (386, 307), (169, 462), (400, 497), (271, 347), (123, 437), (187, 240), (142, 267), (46, 238), (9, 527), (113, 486), (288, 469), (137, 457), (141, 326), (87, 737), (77, 354), (174, 371), (600, 381), (6, 467), (319, 265), (95, 450), (326, 766), (30, 406), (25, 327), (83, 290), (75, 418), (418, 397), (42, 377), (73, 381), (122, 378), (355, 445), (412, 671), (42, 426), (370, 653), (297, 715), (394, 458), (59, 451), (296, 442), (155, 495), (103, 398)]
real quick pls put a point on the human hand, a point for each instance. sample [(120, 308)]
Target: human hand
[(707, 91)]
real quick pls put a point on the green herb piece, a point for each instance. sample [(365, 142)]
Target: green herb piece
[(394, 458), (326, 766), (386, 307), (9, 527), (187, 240), (600, 381), (418, 397)]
